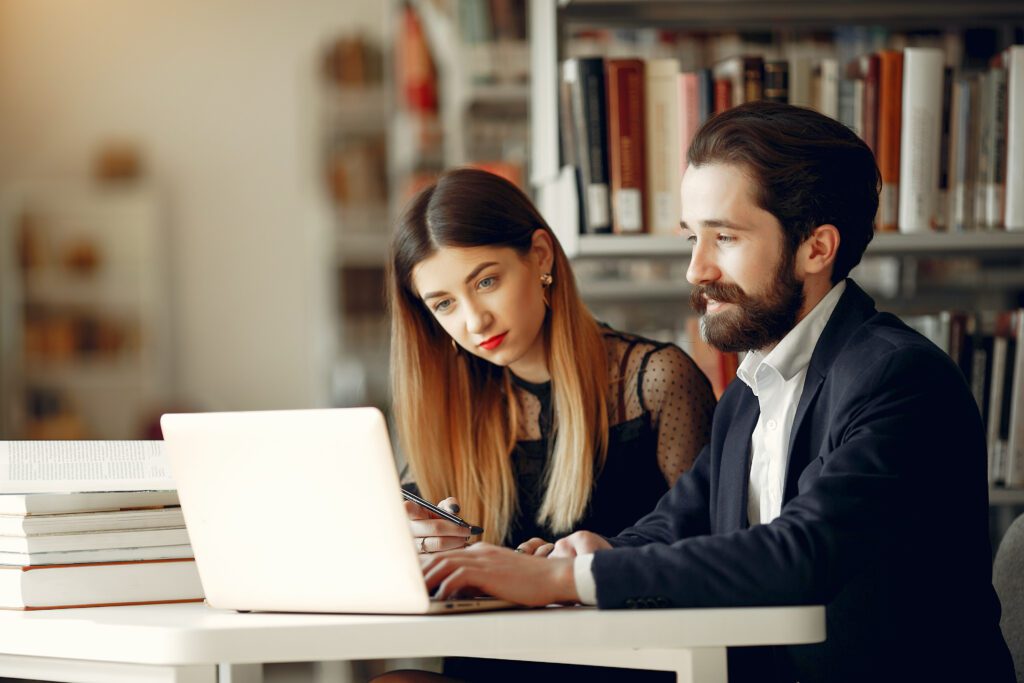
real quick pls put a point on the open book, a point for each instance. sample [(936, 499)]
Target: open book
[(81, 466)]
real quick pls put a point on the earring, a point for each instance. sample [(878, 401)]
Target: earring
[(546, 280)]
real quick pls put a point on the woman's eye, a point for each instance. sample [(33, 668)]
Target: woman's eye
[(726, 238), (691, 238), (442, 306), (487, 282)]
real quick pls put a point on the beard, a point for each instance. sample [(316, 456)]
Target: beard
[(753, 322)]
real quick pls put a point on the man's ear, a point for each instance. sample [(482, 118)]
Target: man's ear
[(817, 253), (542, 250)]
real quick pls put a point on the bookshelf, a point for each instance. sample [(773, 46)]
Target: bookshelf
[(637, 281), (85, 311), (482, 56)]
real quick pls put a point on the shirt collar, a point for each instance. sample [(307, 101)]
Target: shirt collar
[(793, 352)]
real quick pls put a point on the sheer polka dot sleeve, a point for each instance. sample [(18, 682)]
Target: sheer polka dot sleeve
[(681, 403)]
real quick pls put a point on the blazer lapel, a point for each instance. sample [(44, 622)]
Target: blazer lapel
[(854, 307), (735, 468)]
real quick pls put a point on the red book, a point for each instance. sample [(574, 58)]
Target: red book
[(626, 144)]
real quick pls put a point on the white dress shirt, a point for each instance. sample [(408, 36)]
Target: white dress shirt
[(777, 379)]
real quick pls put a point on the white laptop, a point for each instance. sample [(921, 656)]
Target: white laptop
[(299, 511)]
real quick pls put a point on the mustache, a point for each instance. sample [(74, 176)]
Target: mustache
[(724, 293)]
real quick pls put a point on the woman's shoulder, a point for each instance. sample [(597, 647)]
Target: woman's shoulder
[(637, 351)]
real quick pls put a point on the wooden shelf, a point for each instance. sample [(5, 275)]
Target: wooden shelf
[(896, 244)]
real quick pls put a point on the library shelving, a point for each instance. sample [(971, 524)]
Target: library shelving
[(637, 281), (85, 311)]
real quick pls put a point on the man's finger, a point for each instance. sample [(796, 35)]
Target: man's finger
[(544, 550), (530, 547)]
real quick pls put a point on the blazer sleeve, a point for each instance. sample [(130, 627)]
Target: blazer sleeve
[(883, 449), (682, 512)]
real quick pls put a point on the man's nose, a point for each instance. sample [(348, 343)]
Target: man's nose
[(702, 269)]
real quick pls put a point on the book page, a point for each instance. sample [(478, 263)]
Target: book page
[(78, 466)]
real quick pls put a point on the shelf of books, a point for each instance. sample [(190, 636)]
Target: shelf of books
[(91, 524), (936, 90)]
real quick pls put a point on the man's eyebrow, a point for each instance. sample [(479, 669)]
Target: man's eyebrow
[(473, 274), (715, 223)]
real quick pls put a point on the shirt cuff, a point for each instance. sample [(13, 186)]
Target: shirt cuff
[(586, 588)]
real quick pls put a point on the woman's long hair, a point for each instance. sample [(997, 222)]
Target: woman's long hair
[(456, 414)]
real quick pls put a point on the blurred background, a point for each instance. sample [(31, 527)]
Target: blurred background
[(196, 196)]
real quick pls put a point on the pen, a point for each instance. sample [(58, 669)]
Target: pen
[(473, 530)]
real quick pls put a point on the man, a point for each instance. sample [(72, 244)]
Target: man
[(847, 467)]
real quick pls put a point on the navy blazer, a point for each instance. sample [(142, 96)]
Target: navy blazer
[(884, 518)]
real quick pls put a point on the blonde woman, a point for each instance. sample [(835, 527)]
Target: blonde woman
[(513, 404)]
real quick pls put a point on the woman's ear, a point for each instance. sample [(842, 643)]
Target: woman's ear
[(542, 250)]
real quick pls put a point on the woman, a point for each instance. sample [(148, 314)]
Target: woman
[(512, 403)]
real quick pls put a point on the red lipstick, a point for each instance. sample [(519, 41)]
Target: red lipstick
[(494, 342)]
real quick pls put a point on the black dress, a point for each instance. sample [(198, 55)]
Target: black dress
[(659, 410)]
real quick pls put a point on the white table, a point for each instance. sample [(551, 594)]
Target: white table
[(185, 643)]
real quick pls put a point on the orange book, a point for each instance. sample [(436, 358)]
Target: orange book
[(626, 144), (890, 113)]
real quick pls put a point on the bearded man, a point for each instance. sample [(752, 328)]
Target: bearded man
[(847, 465)]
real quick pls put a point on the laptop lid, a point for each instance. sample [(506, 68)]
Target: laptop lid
[(295, 510)]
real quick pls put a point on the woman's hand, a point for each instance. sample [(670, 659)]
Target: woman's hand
[(433, 534), (535, 546)]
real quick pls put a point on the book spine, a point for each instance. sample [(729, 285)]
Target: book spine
[(921, 132), (942, 203), (776, 81), (960, 214), (690, 113), (585, 83), (753, 79), (997, 373), (1015, 441), (801, 71), (626, 145), (1014, 218), (985, 139), (890, 105), (869, 113), (828, 88), (705, 95), (662, 130), (995, 189)]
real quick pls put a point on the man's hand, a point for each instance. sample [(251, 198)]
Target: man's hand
[(579, 543), (536, 546), (503, 573)]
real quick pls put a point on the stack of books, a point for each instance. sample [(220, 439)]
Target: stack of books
[(90, 523)]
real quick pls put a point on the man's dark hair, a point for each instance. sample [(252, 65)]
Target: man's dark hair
[(808, 169)]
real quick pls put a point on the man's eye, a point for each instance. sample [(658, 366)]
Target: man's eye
[(726, 238), (692, 239), (442, 306), (487, 282)]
